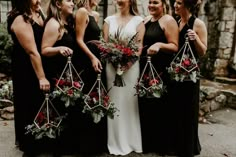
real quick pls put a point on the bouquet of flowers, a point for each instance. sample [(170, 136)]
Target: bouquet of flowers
[(150, 84), (47, 121), (184, 66), (69, 85), (120, 52), (98, 103)]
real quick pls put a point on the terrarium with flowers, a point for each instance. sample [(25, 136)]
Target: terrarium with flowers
[(184, 66), (150, 84), (98, 103), (69, 86), (46, 122)]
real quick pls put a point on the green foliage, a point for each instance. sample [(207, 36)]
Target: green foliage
[(6, 48), (6, 94)]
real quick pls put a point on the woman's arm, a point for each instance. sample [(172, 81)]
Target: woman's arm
[(105, 31), (27, 41), (50, 36), (170, 28), (199, 36), (141, 31), (81, 22)]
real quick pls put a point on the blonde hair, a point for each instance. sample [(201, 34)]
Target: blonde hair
[(82, 3), (54, 11)]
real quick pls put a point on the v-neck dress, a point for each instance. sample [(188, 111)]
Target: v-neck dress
[(124, 132), (184, 100)]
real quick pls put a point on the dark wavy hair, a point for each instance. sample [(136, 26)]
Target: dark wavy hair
[(192, 5), (20, 7), (134, 7)]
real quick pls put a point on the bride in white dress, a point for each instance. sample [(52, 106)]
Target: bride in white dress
[(124, 132)]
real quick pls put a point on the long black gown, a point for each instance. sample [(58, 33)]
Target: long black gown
[(27, 95), (54, 67), (154, 112), (184, 98), (90, 137)]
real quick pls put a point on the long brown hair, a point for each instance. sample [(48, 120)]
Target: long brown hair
[(20, 7), (134, 7), (54, 11), (166, 6), (191, 5)]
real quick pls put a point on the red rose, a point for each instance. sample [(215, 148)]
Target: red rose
[(177, 69), (77, 84), (187, 62), (153, 82), (70, 92)]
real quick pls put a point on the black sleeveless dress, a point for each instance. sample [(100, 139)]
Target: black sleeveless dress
[(54, 67), (90, 138), (184, 98), (27, 95), (154, 111)]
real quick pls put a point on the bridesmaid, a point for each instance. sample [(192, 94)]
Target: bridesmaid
[(91, 137), (161, 42), (185, 95), (57, 44), (25, 25)]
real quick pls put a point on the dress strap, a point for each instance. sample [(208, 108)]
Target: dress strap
[(191, 22)]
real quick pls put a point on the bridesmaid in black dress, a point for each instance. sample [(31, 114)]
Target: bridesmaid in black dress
[(160, 42), (92, 137), (27, 71), (185, 95), (57, 44)]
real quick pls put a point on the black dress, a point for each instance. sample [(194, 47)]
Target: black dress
[(54, 67), (154, 111), (184, 98), (27, 95), (90, 137)]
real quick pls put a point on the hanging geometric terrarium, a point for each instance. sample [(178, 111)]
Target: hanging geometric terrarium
[(47, 115), (46, 121), (184, 66), (69, 86), (98, 103), (150, 84)]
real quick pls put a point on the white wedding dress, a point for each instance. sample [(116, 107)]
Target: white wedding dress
[(124, 132)]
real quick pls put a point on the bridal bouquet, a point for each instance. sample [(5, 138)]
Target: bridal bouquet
[(120, 52), (184, 66)]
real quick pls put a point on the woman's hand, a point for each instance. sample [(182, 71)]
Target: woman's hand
[(192, 34), (65, 51), (154, 49), (44, 84), (96, 64)]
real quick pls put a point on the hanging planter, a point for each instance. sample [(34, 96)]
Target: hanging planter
[(46, 122), (184, 66), (98, 103), (150, 84), (69, 86)]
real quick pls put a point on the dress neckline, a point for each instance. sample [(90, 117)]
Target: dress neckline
[(124, 24)]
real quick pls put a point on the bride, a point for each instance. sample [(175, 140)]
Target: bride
[(124, 133)]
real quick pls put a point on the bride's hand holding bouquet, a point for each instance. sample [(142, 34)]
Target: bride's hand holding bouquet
[(122, 53)]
